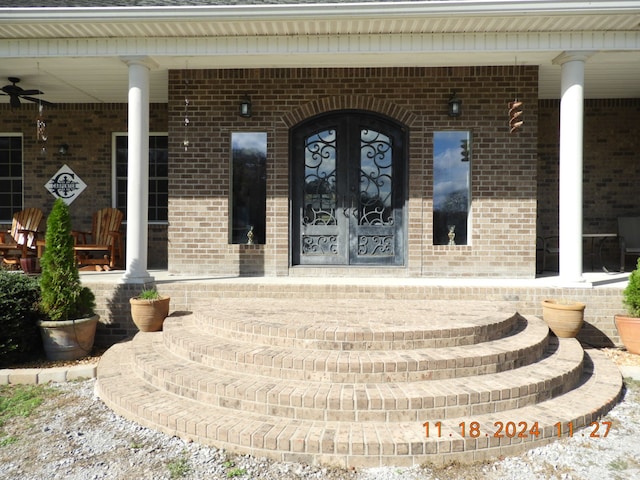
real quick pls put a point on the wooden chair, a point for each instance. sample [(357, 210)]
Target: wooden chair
[(102, 247), (545, 247), (628, 238), (20, 240)]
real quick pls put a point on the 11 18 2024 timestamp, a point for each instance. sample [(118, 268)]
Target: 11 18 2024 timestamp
[(512, 429)]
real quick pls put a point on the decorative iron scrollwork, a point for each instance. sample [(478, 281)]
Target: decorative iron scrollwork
[(319, 245), (375, 245), (320, 200), (376, 186)]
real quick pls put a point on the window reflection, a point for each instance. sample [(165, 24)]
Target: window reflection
[(451, 187), (249, 187)]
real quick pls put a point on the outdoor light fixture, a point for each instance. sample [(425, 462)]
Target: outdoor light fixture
[(245, 107), (455, 105), (63, 149)]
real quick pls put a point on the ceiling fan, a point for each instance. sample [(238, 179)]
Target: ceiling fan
[(16, 93)]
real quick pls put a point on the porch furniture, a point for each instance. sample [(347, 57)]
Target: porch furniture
[(628, 238), (546, 246), (102, 247), (597, 242), (20, 240)]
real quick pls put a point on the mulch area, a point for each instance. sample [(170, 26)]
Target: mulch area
[(44, 363), (622, 357)]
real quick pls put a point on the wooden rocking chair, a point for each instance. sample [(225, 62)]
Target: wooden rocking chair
[(21, 239), (102, 247)]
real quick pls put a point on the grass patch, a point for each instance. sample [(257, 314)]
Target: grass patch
[(236, 472), (19, 401), (618, 464), (632, 384), (179, 467)]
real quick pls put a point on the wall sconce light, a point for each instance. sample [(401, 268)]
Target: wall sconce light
[(63, 149), (245, 107), (455, 105)]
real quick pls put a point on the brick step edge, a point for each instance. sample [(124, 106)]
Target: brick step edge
[(351, 444), (330, 336), (523, 348), (556, 373)]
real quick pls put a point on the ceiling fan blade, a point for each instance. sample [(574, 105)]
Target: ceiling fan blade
[(31, 92), (38, 100)]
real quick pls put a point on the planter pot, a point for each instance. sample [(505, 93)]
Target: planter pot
[(629, 331), (68, 339), (30, 265), (565, 319), (149, 315)]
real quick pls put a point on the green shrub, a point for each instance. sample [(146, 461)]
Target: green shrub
[(149, 294), (63, 296), (631, 294), (19, 334)]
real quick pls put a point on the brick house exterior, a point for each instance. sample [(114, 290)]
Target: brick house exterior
[(504, 195), (502, 191), (514, 177)]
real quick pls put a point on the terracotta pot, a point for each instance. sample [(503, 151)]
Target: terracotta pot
[(68, 339), (629, 331), (565, 319), (149, 315)]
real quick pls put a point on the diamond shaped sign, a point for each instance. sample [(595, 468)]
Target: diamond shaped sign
[(65, 185)]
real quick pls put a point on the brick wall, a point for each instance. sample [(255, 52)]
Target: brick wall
[(87, 129), (602, 303), (503, 165), (611, 167)]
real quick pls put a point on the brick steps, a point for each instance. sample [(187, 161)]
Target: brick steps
[(351, 325), (558, 371), (352, 385), (350, 444), (184, 337)]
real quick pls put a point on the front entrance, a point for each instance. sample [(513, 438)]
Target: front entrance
[(348, 190)]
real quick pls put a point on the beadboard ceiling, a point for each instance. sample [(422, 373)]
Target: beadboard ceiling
[(74, 55)]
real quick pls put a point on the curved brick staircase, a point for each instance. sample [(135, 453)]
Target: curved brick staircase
[(355, 383)]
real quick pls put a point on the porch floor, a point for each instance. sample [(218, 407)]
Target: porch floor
[(617, 280)]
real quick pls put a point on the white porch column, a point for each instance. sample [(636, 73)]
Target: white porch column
[(138, 171), (571, 149)]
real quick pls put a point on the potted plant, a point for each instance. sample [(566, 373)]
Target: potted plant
[(564, 317), (149, 309), (629, 325), (69, 325)]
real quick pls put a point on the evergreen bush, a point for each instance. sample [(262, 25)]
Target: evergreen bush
[(63, 296), (19, 335), (631, 293)]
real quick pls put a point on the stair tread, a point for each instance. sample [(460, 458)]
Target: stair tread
[(184, 338), (554, 373), (356, 443), (350, 324)]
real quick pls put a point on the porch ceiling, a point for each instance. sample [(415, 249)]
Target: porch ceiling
[(73, 54)]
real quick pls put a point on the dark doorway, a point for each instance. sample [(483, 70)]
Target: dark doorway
[(348, 190)]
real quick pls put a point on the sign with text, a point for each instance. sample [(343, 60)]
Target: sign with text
[(65, 184)]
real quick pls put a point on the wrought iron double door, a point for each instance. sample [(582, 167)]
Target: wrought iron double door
[(348, 191)]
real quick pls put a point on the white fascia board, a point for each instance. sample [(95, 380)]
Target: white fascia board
[(322, 44), (320, 10)]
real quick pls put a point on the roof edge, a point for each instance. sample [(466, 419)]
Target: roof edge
[(433, 8)]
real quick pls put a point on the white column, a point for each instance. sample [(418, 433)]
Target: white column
[(571, 161), (138, 171)]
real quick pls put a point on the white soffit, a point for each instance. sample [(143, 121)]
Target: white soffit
[(73, 55)]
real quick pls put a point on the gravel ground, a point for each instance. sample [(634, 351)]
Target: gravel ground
[(74, 436)]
